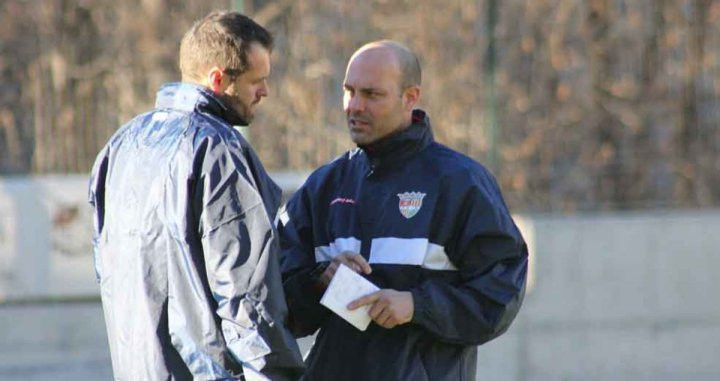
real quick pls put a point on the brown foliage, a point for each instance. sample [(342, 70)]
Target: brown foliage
[(584, 105)]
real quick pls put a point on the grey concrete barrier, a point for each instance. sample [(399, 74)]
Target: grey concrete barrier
[(611, 296), (45, 236)]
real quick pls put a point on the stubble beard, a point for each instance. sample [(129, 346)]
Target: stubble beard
[(243, 111), (360, 135)]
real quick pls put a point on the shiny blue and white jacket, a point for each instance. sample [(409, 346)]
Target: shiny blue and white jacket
[(186, 251), (429, 220)]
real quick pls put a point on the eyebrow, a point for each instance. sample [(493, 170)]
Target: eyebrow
[(364, 89)]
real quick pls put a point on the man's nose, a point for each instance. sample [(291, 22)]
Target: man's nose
[(264, 90), (355, 104)]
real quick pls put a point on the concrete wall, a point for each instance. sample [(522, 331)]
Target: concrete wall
[(621, 296), (45, 231), (45, 236)]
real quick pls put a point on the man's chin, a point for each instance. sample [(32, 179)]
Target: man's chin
[(246, 115), (359, 139)]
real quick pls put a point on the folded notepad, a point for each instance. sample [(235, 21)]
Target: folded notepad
[(345, 287)]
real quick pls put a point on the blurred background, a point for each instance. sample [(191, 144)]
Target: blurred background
[(600, 119)]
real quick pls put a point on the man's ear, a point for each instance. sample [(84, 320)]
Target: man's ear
[(411, 96), (216, 80)]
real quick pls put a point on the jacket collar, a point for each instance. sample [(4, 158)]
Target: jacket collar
[(190, 97), (402, 144)]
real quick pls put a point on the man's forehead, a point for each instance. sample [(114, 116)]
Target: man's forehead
[(375, 55), (368, 69), (258, 60)]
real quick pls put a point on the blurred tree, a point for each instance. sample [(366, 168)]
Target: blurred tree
[(598, 104)]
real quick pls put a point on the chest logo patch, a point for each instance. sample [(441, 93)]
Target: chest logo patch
[(410, 203)]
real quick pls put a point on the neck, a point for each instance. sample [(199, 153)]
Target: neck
[(400, 143)]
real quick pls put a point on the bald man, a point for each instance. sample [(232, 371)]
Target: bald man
[(424, 223)]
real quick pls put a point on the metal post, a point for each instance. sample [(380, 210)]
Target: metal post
[(238, 5), (490, 96)]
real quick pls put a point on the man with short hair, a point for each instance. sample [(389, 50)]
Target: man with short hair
[(424, 223), (185, 245)]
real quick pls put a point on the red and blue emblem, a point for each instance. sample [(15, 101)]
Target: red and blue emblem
[(410, 203)]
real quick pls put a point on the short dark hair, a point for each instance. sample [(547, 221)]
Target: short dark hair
[(223, 39), (409, 64)]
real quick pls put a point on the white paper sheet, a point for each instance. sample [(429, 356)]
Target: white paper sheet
[(345, 287)]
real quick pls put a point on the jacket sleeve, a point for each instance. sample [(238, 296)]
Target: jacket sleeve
[(96, 198), (491, 257), (299, 268), (240, 253)]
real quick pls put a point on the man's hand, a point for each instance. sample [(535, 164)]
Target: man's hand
[(354, 261), (389, 308)]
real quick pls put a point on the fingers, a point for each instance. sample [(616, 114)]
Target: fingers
[(354, 266), (365, 300), (361, 263), (385, 319), (388, 308), (354, 261), (332, 268), (382, 312)]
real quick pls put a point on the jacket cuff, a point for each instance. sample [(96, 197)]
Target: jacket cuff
[(421, 309)]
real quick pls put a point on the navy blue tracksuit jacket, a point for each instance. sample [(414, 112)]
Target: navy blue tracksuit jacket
[(429, 220)]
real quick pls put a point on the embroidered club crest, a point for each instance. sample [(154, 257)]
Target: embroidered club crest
[(410, 203)]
